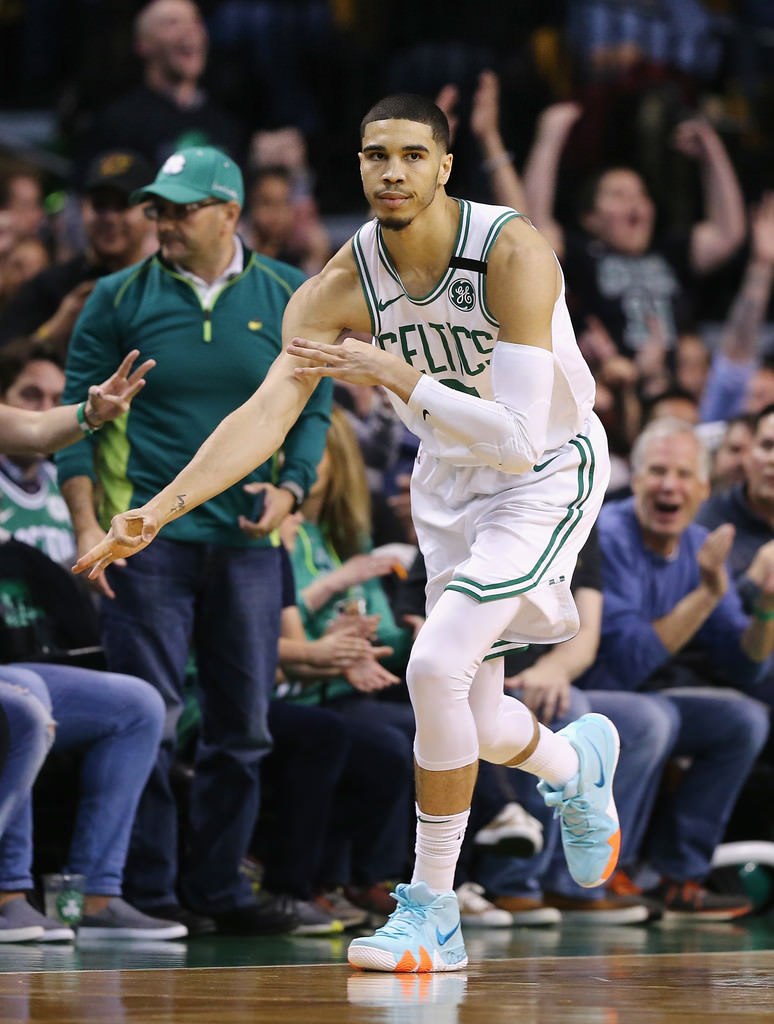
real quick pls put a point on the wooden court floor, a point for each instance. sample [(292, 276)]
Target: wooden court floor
[(569, 975)]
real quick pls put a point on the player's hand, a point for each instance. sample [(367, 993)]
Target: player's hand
[(129, 533), (88, 539), (113, 397), (352, 360)]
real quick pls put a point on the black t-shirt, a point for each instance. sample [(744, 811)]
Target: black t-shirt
[(626, 292), (38, 299), (152, 124), (44, 611)]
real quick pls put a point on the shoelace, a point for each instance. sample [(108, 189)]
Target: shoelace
[(574, 812), (405, 914)]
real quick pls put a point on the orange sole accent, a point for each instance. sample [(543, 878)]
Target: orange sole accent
[(406, 962), (614, 842), (425, 963)]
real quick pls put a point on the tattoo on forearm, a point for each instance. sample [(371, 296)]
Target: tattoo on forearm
[(179, 505)]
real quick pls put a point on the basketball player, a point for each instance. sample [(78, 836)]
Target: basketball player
[(475, 346)]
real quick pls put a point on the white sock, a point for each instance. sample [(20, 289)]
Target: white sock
[(437, 849), (553, 759)]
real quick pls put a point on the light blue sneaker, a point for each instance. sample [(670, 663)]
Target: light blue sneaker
[(591, 836), (422, 934)]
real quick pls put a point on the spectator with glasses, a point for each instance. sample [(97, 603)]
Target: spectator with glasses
[(117, 236), (210, 311)]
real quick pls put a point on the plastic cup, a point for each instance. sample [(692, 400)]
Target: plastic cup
[(63, 896)]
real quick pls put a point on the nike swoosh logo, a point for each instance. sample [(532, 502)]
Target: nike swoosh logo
[(381, 305), (601, 782), (425, 414), (443, 939), (536, 469)]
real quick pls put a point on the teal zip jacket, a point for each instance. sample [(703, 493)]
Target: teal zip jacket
[(208, 362)]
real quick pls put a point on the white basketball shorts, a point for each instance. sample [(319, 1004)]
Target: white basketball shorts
[(495, 536)]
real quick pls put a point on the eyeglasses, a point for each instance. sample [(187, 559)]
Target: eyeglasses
[(177, 211)]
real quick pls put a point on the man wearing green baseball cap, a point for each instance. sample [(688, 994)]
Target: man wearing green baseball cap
[(210, 312), (195, 174)]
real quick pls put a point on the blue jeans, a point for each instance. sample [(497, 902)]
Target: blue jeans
[(31, 729), (225, 602), (337, 785), (393, 721), (648, 731), (721, 732), (116, 722)]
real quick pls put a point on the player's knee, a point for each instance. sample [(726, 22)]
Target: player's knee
[(430, 679), (500, 744)]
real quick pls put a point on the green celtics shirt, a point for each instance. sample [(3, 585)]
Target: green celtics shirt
[(33, 511)]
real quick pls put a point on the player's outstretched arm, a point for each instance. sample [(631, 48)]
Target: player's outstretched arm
[(24, 432)]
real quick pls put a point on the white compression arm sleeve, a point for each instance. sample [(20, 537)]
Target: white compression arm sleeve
[(509, 433)]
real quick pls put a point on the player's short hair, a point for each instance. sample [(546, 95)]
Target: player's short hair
[(409, 106)]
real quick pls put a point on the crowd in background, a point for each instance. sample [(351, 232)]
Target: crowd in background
[(637, 136)]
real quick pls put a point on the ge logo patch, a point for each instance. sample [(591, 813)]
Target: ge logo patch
[(462, 295)]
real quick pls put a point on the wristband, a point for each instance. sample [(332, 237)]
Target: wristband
[(762, 615), (83, 422)]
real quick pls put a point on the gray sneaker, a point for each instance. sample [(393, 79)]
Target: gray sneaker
[(313, 920), (119, 920), (21, 922)]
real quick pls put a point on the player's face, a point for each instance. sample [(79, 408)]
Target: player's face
[(759, 464), (668, 489), (403, 168), (623, 213)]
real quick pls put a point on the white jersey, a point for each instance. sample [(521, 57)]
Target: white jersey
[(450, 332)]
